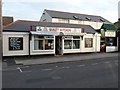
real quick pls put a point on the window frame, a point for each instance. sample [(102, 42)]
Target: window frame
[(72, 40), (91, 45), (44, 40), (12, 48)]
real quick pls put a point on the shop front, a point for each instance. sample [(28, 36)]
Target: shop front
[(62, 40), (109, 39), (42, 43), (20, 38)]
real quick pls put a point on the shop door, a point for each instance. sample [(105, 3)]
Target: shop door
[(58, 45), (119, 44), (103, 45)]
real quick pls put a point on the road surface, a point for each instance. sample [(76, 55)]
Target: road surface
[(96, 73)]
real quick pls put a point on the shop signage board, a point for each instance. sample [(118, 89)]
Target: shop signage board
[(58, 29), (110, 33)]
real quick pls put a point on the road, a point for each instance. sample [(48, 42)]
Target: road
[(96, 73)]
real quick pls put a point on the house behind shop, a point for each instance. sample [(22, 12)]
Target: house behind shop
[(109, 39)]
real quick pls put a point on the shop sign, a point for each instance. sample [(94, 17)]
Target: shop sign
[(15, 43), (110, 33), (58, 29)]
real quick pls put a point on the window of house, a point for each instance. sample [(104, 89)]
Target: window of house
[(111, 41), (43, 43), (88, 42), (63, 20)]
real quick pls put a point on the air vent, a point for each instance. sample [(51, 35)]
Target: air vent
[(88, 18), (75, 17)]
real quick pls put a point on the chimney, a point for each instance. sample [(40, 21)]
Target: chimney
[(7, 20)]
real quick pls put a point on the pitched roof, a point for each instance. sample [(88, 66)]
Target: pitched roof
[(68, 15), (24, 26)]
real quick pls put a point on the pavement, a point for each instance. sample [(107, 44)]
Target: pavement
[(32, 60)]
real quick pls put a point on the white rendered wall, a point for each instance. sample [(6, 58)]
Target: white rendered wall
[(46, 17), (25, 50), (112, 48), (95, 25), (96, 43), (82, 44)]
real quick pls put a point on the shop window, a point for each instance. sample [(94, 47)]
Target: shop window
[(38, 44), (43, 43), (88, 42), (49, 45), (76, 37), (76, 44), (15, 43), (111, 41), (68, 44), (72, 42)]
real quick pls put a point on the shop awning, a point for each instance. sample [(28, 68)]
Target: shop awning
[(44, 33), (57, 33), (108, 26), (73, 34)]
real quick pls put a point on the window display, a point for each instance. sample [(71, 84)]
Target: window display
[(43, 43), (38, 44), (72, 42), (68, 44), (76, 44), (111, 41), (49, 45)]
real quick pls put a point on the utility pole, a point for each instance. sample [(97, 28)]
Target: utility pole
[(1, 50), (1, 29)]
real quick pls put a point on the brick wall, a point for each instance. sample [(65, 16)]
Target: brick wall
[(7, 20)]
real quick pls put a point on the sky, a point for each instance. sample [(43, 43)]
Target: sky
[(33, 9)]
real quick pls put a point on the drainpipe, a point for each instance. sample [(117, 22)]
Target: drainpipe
[(30, 39)]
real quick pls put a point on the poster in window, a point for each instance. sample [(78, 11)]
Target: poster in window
[(15, 43), (88, 42)]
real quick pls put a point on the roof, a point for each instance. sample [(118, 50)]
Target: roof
[(68, 15), (24, 26), (108, 26)]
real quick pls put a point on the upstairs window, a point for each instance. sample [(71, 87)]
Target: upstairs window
[(63, 20), (102, 20), (88, 18), (75, 17)]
